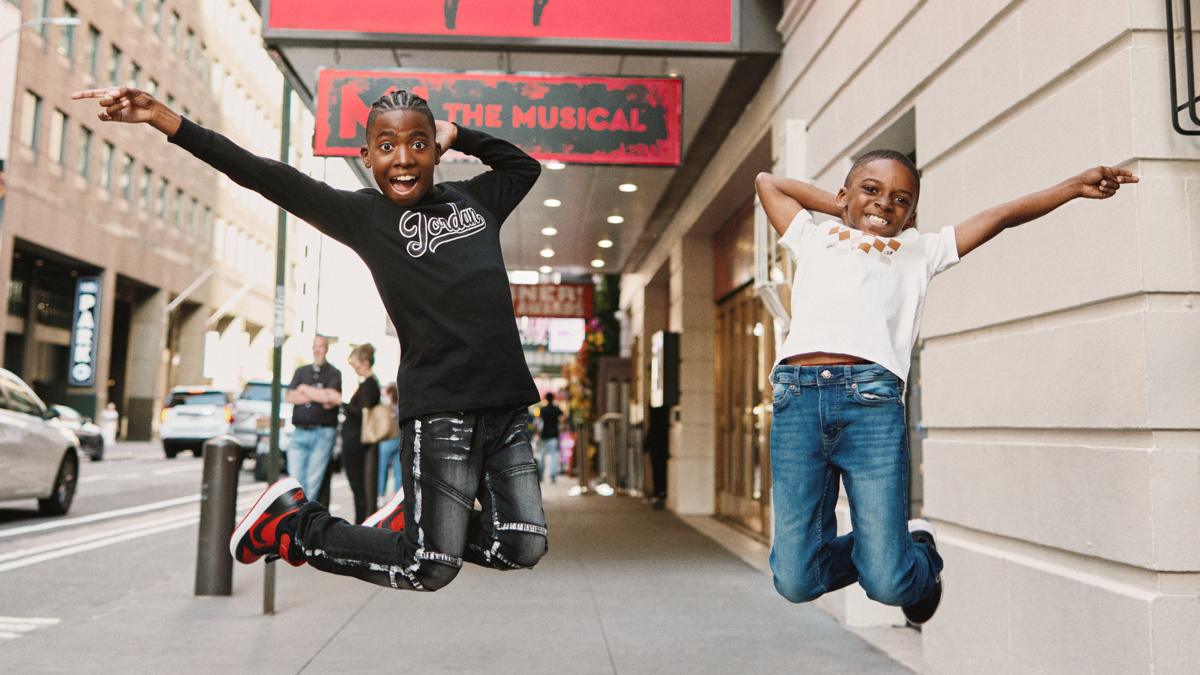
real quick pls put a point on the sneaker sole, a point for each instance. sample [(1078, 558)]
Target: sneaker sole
[(387, 510), (274, 492)]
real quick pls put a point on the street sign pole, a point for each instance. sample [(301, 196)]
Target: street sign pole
[(277, 361)]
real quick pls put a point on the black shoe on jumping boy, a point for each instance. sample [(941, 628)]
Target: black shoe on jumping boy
[(922, 610), (266, 530)]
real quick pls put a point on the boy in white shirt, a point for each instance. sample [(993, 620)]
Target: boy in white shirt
[(839, 385)]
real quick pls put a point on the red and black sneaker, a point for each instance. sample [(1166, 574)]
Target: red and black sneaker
[(263, 531), (391, 516)]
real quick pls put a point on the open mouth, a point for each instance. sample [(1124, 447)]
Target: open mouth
[(876, 220), (403, 183)]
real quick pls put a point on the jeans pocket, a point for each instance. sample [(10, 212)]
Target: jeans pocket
[(782, 395), (878, 392)]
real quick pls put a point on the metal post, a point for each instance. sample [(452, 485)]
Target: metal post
[(277, 360), (218, 505), (582, 440), (371, 477)]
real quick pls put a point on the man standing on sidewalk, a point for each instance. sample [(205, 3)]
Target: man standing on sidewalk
[(550, 415), (315, 393)]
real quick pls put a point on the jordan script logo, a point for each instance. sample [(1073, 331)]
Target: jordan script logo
[(428, 232)]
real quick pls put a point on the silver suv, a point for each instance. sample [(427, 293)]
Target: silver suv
[(252, 417), (192, 415)]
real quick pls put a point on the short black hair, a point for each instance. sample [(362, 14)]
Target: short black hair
[(549, 397), (400, 99), (868, 157)]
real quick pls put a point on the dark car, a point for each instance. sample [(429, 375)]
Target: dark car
[(91, 441)]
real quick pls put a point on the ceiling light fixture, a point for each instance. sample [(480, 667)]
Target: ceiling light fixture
[(627, 187), (605, 243), (616, 220), (547, 253), (549, 231), (545, 269), (555, 165), (552, 203), (597, 263)]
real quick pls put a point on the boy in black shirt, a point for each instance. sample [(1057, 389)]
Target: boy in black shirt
[(434, 253)]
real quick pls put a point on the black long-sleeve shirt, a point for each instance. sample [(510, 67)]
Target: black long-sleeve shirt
[(437, 265)]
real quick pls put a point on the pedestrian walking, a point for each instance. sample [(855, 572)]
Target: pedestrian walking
[(434, 251), (389, 450), (354, 451), (549, 416), (839, 383)]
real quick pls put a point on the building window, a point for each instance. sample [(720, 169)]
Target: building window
[(83, 161), (66, 43), (156, 19), (92, 55), (189, 47), (114, 68), (173, 33), (162, 198), (206, 226), (152, 87), (147, 187), (31, 120), (178, 208), (106, 160), (41, 10), (126, 178), (140, 8), (135, 75), (57, 148)]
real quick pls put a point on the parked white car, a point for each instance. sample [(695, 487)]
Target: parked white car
[(38, 458), (192, 415), (252, 417)]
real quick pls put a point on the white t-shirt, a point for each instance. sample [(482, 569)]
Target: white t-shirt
[(859, 294)]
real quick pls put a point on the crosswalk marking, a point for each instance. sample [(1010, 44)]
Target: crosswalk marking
[(13, 627)]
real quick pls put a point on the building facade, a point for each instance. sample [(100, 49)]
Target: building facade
[(1056, 434), (185, 259)]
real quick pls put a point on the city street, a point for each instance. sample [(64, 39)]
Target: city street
[(624, 589)]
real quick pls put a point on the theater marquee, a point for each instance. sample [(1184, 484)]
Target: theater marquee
[(597, 120)]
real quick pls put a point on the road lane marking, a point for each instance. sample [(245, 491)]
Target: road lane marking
[(106, 515), (109, 476), (171, 524), (177, 469), (13, 627)]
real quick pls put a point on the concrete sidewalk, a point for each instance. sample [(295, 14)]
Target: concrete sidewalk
[(624, 589)]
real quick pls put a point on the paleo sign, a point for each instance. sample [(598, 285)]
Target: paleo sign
[(595, 120)]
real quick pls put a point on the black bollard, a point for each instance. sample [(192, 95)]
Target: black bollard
[(218, 504)]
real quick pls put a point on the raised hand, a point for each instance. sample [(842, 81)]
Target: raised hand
[(445, 133), (1103, 182), (123, 104)]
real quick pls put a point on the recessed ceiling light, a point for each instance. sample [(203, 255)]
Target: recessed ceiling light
[(616, 220), (555, 165), (545, 269), (549, 231), (547, 253), (552, 203), (627, 187), (597, 263), (605, 243)]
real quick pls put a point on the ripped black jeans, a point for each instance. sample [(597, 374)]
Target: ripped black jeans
[(448, 460)]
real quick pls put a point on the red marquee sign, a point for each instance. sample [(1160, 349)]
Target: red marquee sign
[(658, 21), (596, 120), (561, 301)]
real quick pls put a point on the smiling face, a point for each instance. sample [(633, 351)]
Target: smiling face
[(401, 154), (880, 198)]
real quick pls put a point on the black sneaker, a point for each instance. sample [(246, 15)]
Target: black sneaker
[(391, 516), (921, 611), (263, 532)]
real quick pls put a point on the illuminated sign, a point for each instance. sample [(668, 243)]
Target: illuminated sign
[(595, 120), (567, 301), (557, 21), (85, 327)]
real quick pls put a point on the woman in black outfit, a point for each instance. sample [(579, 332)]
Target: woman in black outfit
[(353, 451)]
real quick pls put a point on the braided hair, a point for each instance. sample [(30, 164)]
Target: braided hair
[(399, 99)]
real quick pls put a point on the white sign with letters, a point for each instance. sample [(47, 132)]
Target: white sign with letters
[(85, 328)]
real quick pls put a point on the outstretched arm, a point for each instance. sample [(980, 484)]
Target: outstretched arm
[(782, 198), (1101, 182), (122, 104)]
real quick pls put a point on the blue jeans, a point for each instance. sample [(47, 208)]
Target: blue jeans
[(389, 455), (447, 461), (308, 457), (843, 422), (550, 464)]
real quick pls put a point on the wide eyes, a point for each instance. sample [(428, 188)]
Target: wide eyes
[(871, 190), (386, 146)]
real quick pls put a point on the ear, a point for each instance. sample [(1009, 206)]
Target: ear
[(842, 197), (911, 222), (366, 156)]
